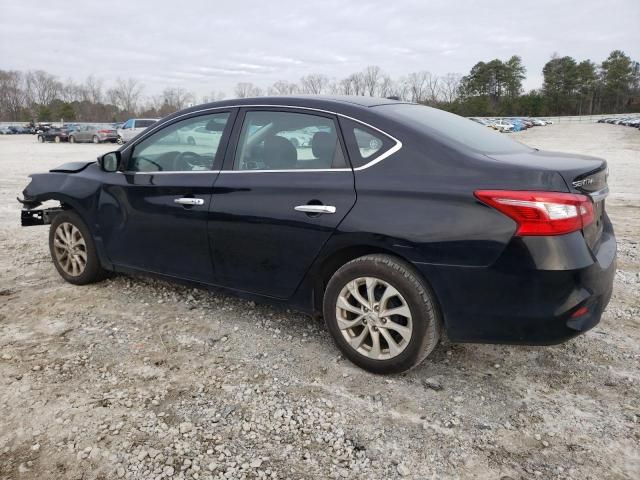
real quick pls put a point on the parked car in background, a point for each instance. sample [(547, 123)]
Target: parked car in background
[(54, 134), (6, 131), (93, 133), (133, 127), (503, 126), (400, 221)]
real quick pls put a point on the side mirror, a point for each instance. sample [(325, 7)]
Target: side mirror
[(109, 162)]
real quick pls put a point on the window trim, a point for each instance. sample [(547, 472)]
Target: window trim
[(229, 160), (234, 109)]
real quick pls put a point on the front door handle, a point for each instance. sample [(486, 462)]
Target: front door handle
[(189, 201), (315, 209)]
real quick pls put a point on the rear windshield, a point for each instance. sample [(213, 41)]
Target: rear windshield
[(454, 128)]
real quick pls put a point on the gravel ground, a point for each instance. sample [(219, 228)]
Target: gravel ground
[(136, 378)]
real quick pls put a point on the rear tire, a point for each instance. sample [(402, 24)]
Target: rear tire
[(73, 251), (119, 140), (40, 139), (57, 139), (355, 301), (96, 139)]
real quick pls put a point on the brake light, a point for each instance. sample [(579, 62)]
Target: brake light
[(104, 131), (541, 213)]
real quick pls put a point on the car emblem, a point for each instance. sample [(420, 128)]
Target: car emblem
[(583, 182)]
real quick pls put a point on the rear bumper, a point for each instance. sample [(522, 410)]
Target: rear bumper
[(529, 295)]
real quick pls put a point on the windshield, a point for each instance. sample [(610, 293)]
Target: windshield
[(448, 126)]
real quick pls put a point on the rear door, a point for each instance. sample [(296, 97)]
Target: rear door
[(283, 191), (153, 216)]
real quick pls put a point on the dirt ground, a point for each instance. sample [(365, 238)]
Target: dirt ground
[(136, 378)]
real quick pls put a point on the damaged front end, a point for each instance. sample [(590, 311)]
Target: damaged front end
[(31, 216)]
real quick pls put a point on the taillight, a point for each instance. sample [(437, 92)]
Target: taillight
[(104, 131), (541, 213)]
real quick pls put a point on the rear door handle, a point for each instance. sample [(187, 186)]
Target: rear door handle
[(315, 208), (189, 201)]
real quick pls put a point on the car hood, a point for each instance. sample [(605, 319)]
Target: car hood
[(72, 167)]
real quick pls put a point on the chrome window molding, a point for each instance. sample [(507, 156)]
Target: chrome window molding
[(372, 162)]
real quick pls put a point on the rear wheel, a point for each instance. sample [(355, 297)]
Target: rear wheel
[(119, 140), (73, 251), (40, 139), (381, 314), (57, 139), (96, 139)]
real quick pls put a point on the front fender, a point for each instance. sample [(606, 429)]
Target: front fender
[(73, 191)]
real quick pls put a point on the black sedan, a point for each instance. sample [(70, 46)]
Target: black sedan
[(395, 221), (54, 135)]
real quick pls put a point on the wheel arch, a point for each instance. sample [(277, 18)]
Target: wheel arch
[(331, 262)]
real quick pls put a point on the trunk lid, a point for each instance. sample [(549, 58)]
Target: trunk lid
[(582, 174)]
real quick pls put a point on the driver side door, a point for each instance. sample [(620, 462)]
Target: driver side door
[(153, 215)]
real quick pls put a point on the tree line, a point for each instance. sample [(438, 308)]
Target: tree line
[(492, 88)]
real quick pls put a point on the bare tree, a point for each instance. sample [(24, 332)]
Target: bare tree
[(42, 87), (282, 87), (247, 89), (12, 96), (370, 77), (450, 87), (432, 84), (386, 87), (126, 94), (177, 98), (92, 90), (314, 83)]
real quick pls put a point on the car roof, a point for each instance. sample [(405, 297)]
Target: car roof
[(329, 102)]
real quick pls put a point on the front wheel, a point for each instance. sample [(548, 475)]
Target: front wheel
[(72, 139), (119, 140), (73, 251), (57, 139), (40, 139), (381, 314)]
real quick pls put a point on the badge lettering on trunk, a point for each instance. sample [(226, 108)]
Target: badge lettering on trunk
[(583, 182)]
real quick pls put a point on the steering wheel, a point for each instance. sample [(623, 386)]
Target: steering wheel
[(189, 161)]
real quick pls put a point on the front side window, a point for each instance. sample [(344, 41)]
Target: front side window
[(288, 141), (188, 145)]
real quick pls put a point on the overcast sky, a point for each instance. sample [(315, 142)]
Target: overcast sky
[(207, 46)]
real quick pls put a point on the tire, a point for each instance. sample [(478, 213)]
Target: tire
[(95, 139), (72, 139), (420, 318), (40, 139), (119, 140), (65, 225), (57, 139)]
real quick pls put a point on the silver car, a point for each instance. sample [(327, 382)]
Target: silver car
[(93, 133)]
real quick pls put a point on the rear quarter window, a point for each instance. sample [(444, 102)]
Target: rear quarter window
[(363, 143)]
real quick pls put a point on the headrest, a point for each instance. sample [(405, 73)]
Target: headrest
[(279, 153)]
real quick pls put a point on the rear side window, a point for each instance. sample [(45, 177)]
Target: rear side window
[(364, 144), (275, 140)]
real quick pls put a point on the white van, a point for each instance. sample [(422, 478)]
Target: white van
[(133, 127)]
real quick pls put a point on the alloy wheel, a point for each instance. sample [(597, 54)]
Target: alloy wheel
[(70, 249), (374, 318)]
